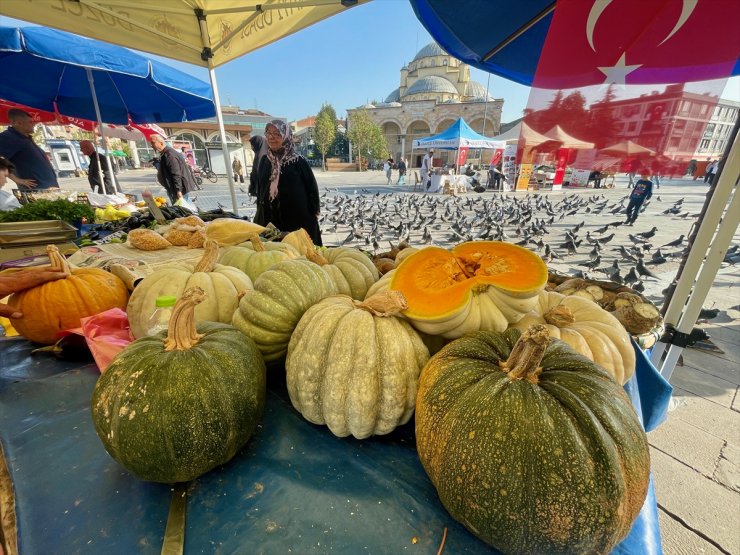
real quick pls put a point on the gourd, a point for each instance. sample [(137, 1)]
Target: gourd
[(588, 329), (230, 231), (636, 315), (254, 257), (173, 406), (354, 366), (281, 295), (223, 285), (533, 447), (351, 270), (59, 305), (480, 285)]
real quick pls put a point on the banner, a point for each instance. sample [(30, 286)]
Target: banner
[(561, 162), (462, 155), (508, 167), (525, 174), (498, 154)]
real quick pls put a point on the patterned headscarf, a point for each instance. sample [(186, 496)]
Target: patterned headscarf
[(282, 157)]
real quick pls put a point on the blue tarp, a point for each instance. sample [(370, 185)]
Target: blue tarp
[(295, 488), (41, 67), (457, 135)]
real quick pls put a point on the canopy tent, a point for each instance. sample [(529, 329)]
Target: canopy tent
[(558, 135), (458, 135), (207, 33), (628, 148), (524, 131)]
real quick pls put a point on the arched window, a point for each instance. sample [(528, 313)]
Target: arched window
[(444, 62), (199, 147)]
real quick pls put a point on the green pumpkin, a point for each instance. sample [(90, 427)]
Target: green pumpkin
[(533, 447), (254, 257), (281, 295), (352, 271), (354, 366), (172, 407)]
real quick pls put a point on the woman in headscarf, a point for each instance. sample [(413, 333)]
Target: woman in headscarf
[(287, 193)]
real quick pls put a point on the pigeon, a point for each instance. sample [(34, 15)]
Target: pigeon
[(648, 234), (602, 229), (639, 287), (708, 313), (631, 277), (674, 243), (643, 271)]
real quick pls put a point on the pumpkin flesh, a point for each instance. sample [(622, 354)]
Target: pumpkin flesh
[(551, 461)]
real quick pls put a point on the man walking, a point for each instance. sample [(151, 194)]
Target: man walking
[(643, 190), (401, 172), (173, 173), (33, 170), (426, 168), (98, 161)]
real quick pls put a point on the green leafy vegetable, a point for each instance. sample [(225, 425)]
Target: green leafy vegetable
[(61, 209)]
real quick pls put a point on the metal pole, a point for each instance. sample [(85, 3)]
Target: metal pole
[(91, 81), (222, 131)]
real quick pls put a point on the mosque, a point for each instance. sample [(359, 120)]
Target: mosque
[(434, 90)]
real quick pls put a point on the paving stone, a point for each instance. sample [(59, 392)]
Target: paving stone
[(707, 416), (736, 401), (679, 540), (725, 366), (705, 385), (691, 445), (728, 468), (698, 501)]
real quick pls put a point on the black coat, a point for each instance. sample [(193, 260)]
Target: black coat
[(174, 174), (93, 176), (297, 203)]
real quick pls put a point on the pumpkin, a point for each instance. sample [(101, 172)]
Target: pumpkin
[(230, 231), (530, 445), (223, 285), (480, 285), (588, 329), (254, 256), (352, 271), (404, 254), (59, 305), (173, 406), (281, 295), (354, 366)]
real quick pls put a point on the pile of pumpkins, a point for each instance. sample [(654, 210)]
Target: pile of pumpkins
[(531, 443)]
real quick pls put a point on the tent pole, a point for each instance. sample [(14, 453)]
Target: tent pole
[(91, 81), (222, 131)]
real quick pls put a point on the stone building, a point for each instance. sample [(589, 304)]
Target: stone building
[(434, 90)]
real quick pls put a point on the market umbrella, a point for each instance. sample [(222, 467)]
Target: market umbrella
[(558, 135), (628, 148)]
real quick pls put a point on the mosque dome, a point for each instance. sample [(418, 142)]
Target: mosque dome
[(476, 91), (368, 106), (431, 49), (431, 84), (395, 96)]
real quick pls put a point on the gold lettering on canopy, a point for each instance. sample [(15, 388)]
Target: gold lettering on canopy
[(90, 13)]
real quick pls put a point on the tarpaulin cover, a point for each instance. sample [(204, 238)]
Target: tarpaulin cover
[(458, 135), (295, 488)]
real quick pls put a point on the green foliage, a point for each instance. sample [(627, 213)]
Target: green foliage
[(326, 129), (366, 135), (61, 209)]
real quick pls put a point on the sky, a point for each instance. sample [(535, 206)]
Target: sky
[(345, 61)]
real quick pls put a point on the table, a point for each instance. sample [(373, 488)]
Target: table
[(294, 488)]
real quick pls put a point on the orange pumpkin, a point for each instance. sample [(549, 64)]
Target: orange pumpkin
[(58, 305)]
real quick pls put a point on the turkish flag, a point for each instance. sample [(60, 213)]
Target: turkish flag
[(462, 155), (639, 42)]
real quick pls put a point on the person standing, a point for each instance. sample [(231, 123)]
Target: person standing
[(33, 170), (259, 147), (7, 200), (98, 161), (643, 190), (388, 169), (710, 171), (426, 169), (287, 192), (238, 169), (401, 172), (173, 172)]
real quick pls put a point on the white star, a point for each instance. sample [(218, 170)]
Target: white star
[(619, 72)]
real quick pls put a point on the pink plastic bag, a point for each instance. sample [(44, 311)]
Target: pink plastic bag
[(107, 334)]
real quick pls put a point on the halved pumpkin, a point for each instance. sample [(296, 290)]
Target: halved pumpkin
[(479, 285)]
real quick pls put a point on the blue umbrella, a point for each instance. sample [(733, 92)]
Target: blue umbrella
[(41, 67)]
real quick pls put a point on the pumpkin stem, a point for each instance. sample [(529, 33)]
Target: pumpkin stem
[(385, 303), (181, 334), (256, 243), (57, 262), (524, 360), (315, 257), (210, 255), (560, 316)]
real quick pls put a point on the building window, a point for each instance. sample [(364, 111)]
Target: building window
[(434, 63), (685, 107), (704, 144), (709, 131), (199, 147), (444, 62), (703, 109)]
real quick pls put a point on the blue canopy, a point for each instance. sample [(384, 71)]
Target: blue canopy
[(457, 135), (503, 37), (41, 67)]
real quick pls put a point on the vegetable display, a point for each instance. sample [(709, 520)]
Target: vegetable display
[(172, 407), (59, 305), (533, 447), (42, 209), (354, 366), (223, 285), (254, 256)]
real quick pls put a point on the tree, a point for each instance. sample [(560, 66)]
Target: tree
[(367, 136), (325, 131)]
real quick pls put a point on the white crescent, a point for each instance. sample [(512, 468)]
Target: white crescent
[(687, 8)]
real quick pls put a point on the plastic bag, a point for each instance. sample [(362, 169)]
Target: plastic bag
[(185, 203), (106, 334)]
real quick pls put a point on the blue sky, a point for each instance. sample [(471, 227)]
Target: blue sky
[(345, 60)]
